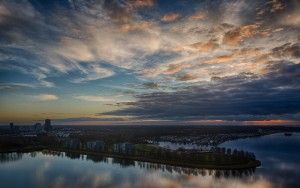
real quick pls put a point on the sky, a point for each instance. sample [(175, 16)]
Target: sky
[(185, 62)]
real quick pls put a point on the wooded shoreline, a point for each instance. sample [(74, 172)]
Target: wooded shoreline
[(248, 165)]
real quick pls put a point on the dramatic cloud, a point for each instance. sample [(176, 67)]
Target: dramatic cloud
[(216, 60), (234, 98)]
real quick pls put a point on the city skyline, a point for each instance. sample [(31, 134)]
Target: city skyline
[(150, 62)]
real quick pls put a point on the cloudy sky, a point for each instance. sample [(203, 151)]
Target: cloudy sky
[(150, 62)]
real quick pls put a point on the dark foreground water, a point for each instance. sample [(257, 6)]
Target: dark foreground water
[(279, 155)]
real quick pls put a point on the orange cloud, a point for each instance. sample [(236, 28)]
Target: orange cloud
[(170, 17), (136, 26), (248, 30), (141, 3), (124, 13), (198, 16), (249, 52), (205, 47), (224, 58), (174, 68), (166, 70), (292, 19), (236, 36), (186, 77), (220, 59)]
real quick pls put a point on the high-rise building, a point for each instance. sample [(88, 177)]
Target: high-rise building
[(38, 127), (47, 125), (11, 125)]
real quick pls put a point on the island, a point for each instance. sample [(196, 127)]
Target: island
[(215, 158)]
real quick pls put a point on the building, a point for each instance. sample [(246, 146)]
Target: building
[(38, 127), (11, 125), (47, 126), (13, 128), (95, 145), (124, 148)]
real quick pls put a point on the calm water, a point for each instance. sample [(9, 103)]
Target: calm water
[(279, 155)]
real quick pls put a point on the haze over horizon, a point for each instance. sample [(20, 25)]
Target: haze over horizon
[(112, 62)]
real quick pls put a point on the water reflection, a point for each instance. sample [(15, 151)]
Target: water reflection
[(124, 163), (279, 155), (6, 157), (59, 169), (97, 159)]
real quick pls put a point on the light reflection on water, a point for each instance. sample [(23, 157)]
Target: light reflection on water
[(279, 156)]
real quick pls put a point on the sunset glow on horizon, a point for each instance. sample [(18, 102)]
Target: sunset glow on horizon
[(150, 62)]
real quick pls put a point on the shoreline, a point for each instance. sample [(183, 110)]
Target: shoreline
[(251, 164), (223, 141)]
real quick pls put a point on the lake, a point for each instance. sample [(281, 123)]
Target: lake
[(279, 155)]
